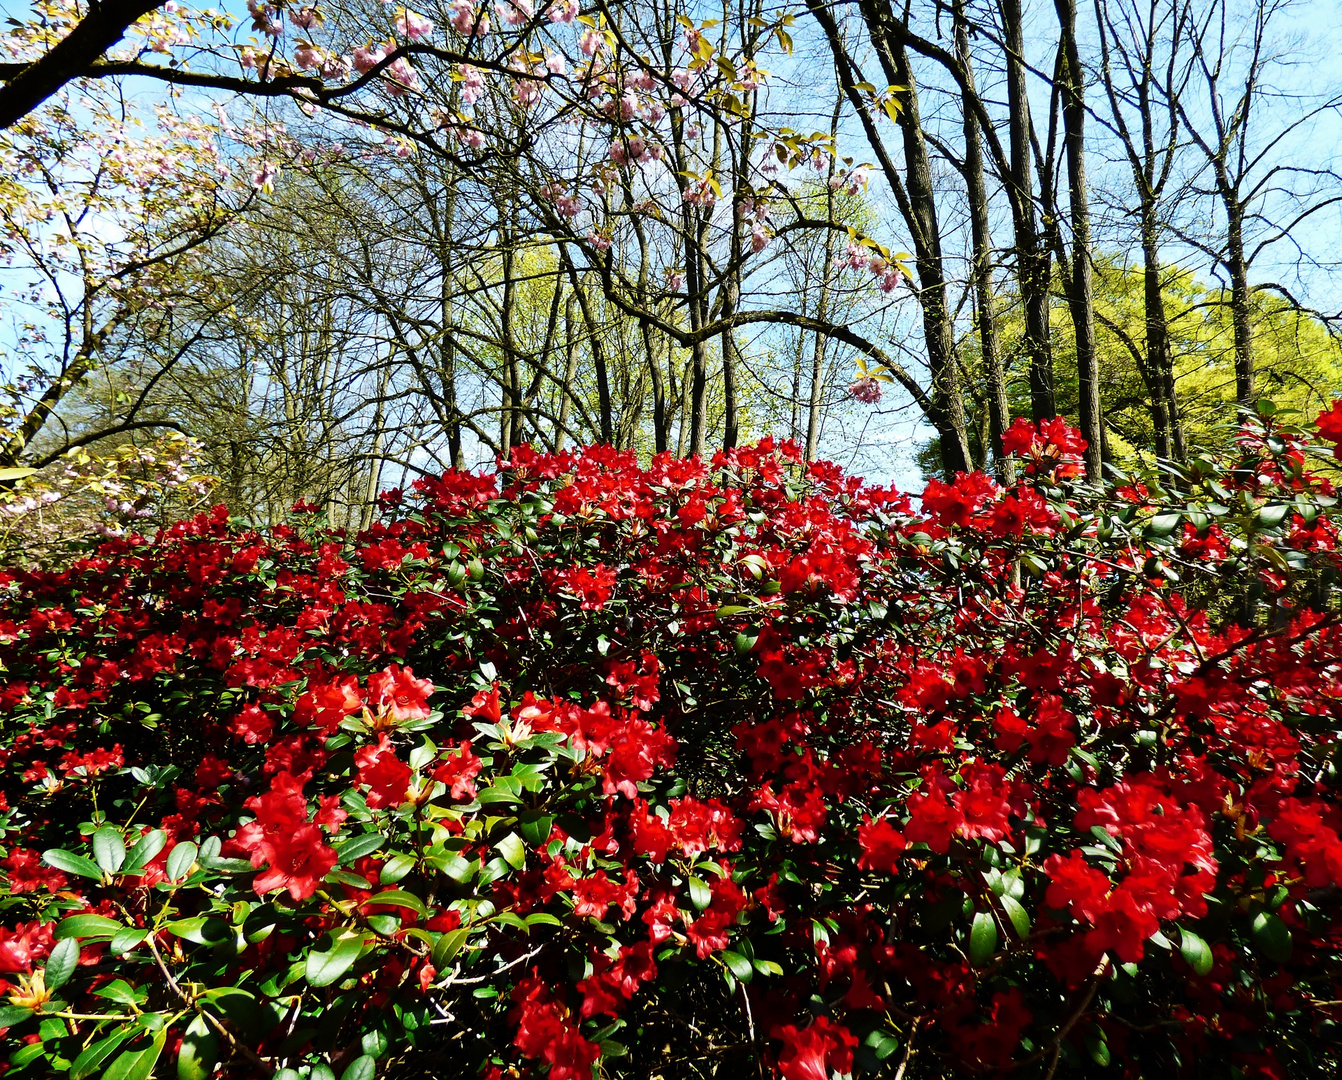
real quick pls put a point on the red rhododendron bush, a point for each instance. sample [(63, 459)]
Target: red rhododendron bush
[(740, 768)]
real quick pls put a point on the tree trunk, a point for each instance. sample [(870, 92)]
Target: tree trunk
[(1081, 293), (1032, 254), (999, 415)]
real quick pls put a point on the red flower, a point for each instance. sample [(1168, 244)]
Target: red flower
[(1329, 423), (396, 690), (252, 725), (24, 945), (813, 1052), (933, 820), (27, 872), (1077, 885), (385, 775), (298, 862), (458, 771), (880, 844), (324, 706)]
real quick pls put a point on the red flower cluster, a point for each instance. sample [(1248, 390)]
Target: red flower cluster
[(553, 768)]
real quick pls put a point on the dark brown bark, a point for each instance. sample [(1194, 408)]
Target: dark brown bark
[(1080, 292), (1032, 252), (985, 315), (105, 24)]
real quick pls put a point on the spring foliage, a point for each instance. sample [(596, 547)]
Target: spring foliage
[(585, 765)]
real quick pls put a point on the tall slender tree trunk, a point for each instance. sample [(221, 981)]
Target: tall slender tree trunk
[(999, 416), (1241, 311), (1032, 254), (1081, 291)]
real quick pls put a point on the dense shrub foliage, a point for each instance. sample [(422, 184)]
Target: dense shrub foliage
[(688, 770)]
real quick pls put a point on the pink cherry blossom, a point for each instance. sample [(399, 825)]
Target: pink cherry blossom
[(413, 25), (367, 57), (305, 18), (589, 42), (515, 12), (866, 390), (472, 83), (263, 179), (466, 21), (307, 56), (563, 11), (600, 241), (759, 238)]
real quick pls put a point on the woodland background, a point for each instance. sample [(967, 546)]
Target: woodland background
[(253, 248)]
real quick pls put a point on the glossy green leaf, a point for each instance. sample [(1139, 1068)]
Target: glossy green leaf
[(982, 938), (86, 926), (13, 1014), (126, 939), (138, 1063), (109, 850), (448, 946), (71, 863), (91, 1060), (1196, 952), (513, 850), (199, 1055), (61, 963), (324, 968), (700, 894), (1271, 937), (738, 964), (362, 1067), (180, 860), (1015, 911), (400, 898), (356, 847), (146, 849)]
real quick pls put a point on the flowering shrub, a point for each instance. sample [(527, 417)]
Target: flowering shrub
[(688, 768)]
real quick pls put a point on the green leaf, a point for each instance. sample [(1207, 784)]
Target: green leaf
[(126, 939), (513, 850), (90, 1061), (982, 938), (201, 929), (1271, 937), (356, 847), (700, 894), (536, 830), (180, 860), (138, 1064), (14, 1014), (1098, 1048), (395, 868), (1196, 952), (61, 963), (1163, 524), (322, 969), (739, 965), (15, 473), (361, 1068), (144, 851), (882, 1043), (400, 898), (72, 863), (543, 918), (1020, 918), (448, 946), (109, 849), (199, 1055), (1272, 516), (86, 926)]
